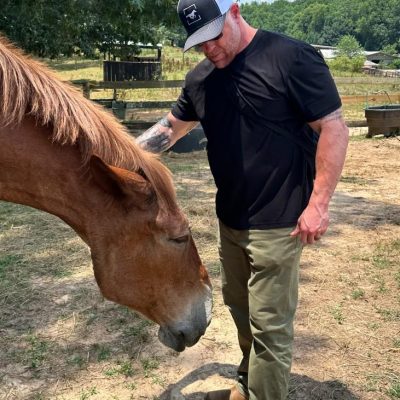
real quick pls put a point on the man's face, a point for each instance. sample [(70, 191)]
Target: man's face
[(224, 48)]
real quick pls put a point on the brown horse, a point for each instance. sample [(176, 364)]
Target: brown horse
[(65, 155)]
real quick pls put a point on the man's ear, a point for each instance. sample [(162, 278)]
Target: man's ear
[(126, 186)]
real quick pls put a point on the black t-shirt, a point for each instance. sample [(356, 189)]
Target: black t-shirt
[(263, 178)]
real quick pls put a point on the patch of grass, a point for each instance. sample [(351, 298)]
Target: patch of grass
[(77, 360), (380, 261), (357, 293), (8, 261), (37, 351), (103, 353), (389, 315), (373, 326), (149, 364), (337, 313), (130, 386), (386, 254), (139, 331), (38, 396), (394, 390), (381, 284), (124, 368), (372, 383), (88, 393)]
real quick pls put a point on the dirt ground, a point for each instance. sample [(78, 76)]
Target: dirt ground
[(60, 340)]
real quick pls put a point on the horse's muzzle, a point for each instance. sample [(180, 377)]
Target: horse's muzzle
[(188, 331)]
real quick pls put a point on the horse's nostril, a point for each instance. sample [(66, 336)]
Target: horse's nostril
[(190, 339)]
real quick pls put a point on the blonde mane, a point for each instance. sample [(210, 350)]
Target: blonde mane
[(28, 87)]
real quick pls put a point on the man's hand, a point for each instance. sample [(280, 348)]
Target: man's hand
[(312, 224)]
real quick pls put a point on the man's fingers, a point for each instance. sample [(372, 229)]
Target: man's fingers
[(295, 231)]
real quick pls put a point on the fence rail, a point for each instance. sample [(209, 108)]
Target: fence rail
[(88, 86), (383, 72)]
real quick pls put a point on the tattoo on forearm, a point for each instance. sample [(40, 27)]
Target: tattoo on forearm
[(337, 114), (165, 122), (156, 139)]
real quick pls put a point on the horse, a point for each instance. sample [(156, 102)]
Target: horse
[(63, 154)]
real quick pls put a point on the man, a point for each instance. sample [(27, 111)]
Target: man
[(261, 98)]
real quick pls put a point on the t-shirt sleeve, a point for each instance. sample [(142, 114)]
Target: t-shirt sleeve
[(184, 109), (311, 85)]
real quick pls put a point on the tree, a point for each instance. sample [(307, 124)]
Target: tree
[(308, 24), (49, 28), (349, 55), (348, 46)]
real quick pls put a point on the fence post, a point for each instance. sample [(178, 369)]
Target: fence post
[(86, 89)]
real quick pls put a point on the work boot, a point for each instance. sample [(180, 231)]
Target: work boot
[(225, 394)]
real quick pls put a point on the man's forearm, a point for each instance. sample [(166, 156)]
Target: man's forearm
[(158, 138), (330, 158)]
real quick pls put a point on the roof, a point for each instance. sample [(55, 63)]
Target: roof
[(328, 54)]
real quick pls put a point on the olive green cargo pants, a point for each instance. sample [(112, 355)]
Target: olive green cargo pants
[(260, 287)]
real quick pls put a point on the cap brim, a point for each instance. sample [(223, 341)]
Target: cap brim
[(205, 33)]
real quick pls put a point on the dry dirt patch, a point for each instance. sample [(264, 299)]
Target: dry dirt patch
[(60, 340)]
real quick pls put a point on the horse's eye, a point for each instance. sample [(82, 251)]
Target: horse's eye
[(180, 239)]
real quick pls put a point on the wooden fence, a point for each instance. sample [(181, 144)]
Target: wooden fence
[(390, 73), (88, 86)]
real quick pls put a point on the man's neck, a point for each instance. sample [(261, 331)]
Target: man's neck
[(248, 33)]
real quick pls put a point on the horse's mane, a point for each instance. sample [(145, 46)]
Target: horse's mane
[(28, 87)]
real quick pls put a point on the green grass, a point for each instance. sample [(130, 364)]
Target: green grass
[(394, 390), (37, 351), (8, 261), (102, 352), (88, 393), (337, 313), (149, 365), (358, 293), (124, 368)]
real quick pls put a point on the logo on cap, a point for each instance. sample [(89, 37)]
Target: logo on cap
[(191, 14)]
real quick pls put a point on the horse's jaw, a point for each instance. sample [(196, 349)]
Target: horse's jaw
[(190, 329)]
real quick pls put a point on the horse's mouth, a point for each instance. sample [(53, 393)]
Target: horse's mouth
[(178, 340)]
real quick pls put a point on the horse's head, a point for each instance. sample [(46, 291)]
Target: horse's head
[(147, 259)]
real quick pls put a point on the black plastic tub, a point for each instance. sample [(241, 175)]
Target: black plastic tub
[(383, 120)]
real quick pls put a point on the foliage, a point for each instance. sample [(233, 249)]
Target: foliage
[(348, 46), (395, 64), (50, 28), (347, 64), (374, 23)]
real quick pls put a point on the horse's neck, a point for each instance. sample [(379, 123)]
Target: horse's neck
[(38, 173)]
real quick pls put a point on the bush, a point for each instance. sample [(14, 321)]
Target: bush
[(395, 64), (347, 64)]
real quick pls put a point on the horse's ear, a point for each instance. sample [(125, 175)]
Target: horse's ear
[(126, 186)]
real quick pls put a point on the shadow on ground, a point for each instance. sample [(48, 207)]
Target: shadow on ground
[(301, 387)]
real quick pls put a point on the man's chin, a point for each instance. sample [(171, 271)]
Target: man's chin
[(220, 63)]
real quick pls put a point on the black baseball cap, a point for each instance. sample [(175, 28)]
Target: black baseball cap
[(202, 19)]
